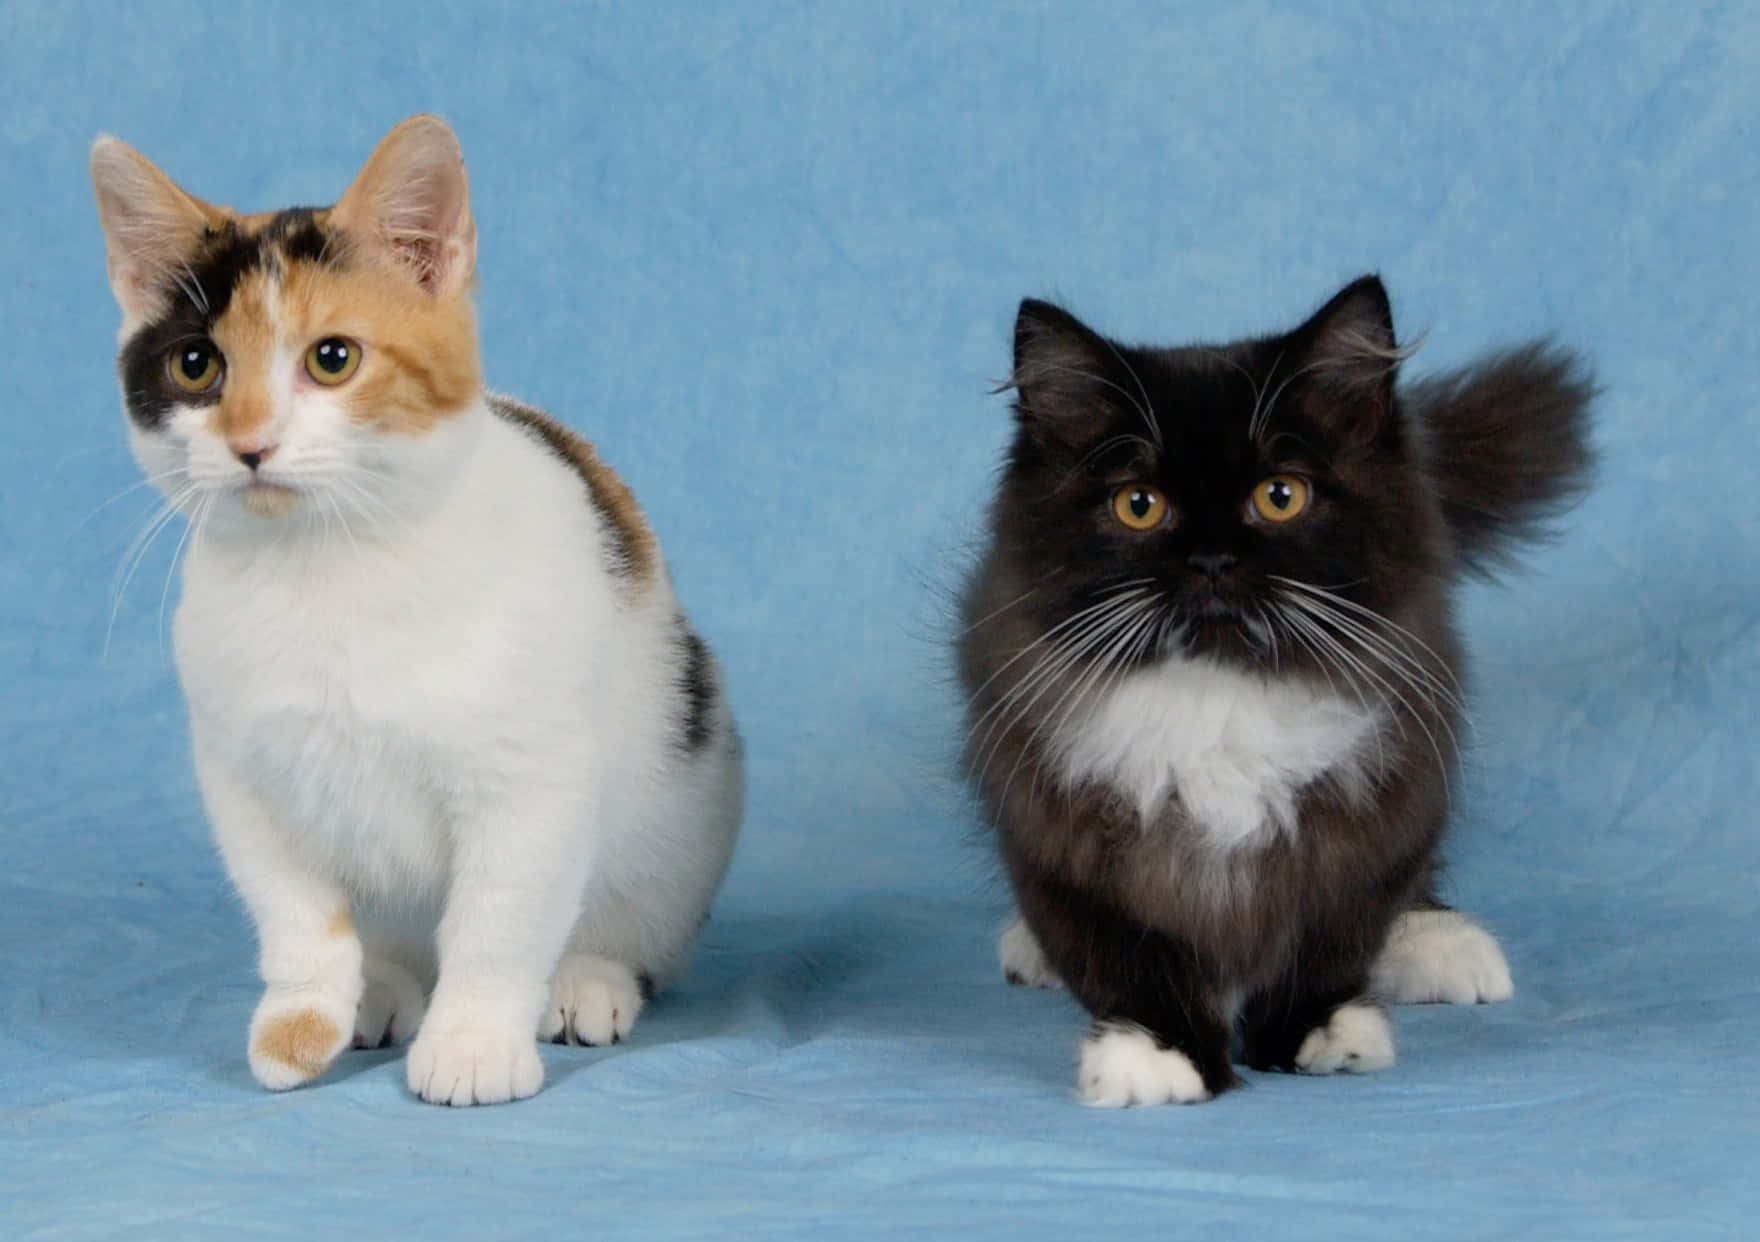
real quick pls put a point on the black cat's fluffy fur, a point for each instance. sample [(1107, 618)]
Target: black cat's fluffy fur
[(1244, 952)]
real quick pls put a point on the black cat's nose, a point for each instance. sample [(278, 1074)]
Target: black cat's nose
[(1213, 564)]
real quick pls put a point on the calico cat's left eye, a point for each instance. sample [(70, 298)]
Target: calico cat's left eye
[(333, 360), (1139, 506), (1280, 498)]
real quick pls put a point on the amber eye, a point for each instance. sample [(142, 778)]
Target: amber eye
[(332, 360), (1139, 506), (1280, 498), (194, 366)]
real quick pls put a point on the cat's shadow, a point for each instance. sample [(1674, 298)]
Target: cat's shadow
[(871, 967)]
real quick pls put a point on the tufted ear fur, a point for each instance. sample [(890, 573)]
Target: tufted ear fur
[(1351, 360), (151, 228), (410, 206), (1061, 372)]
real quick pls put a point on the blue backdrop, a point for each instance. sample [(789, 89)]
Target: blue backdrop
[(767, 257)]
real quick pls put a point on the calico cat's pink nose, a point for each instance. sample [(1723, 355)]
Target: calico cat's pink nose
[(255, 456)]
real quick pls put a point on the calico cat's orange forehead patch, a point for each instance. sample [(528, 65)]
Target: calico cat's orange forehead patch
[(419, 353)]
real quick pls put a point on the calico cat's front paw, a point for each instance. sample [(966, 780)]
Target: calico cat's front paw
[(1441, 955), (392, 1004), (593, 1001), (1123, 1067), (461, 1066), (296, 1033), (1357, 1039), (1023, 961)]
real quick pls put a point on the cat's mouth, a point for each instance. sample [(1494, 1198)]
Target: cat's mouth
[(266, 499)]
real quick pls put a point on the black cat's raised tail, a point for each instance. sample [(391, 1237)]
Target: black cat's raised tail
[(1507, 444)]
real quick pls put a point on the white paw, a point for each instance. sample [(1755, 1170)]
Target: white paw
[(1122, 1066), (1357, 1039), (392, 1004), (592, 1001), (1440, 955), (296, 1033), (1023, 961), (474, 1065)]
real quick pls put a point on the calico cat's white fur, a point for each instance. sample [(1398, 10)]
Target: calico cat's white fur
[(467, 765)]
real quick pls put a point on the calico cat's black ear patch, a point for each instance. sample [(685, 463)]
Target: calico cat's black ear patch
[(1061, 371), (1350, 357)]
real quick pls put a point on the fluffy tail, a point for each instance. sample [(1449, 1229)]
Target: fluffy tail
[(1507, 442)]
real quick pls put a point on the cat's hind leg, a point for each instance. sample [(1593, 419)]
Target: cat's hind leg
[(1023, 961), (593, 1001), (393, 1002), (1437, 954)]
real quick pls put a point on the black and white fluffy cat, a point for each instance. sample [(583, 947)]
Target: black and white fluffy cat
[(1214, 679)]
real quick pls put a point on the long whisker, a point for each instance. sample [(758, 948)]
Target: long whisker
[(132, 488), (1397, 660), (1019, 701), (1360, 661), (1145, 407), (1129, 587), (1124, 647), (136, 553), (1331, 595)]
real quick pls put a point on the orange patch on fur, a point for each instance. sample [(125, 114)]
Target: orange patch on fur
[(611, 495), (418, 352), (340, 924), (305, 1041), (245, 334)]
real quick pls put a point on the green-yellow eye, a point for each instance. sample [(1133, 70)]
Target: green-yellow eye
[(194, 366), (1280, 498), (1139, 506), (333, 360)]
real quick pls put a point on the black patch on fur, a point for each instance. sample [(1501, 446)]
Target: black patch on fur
[(198, 297), (697, 681), (645, 985), (565, 447), (296, 234), (1146, 922)]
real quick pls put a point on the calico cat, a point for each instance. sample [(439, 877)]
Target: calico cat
[(467, 763), (1214, 679)]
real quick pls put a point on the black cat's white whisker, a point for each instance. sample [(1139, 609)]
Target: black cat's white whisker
[(1069, 653)]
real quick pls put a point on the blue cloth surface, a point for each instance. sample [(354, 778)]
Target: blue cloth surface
[(767, 256)]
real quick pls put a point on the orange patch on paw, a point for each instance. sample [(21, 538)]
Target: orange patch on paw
[(305, 1041)]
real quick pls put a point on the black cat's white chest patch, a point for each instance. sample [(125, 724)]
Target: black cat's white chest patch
[(1236, 749)]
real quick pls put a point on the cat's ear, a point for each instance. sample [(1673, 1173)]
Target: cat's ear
[(1351, 359), (151, 228), (1060, 371), (411, 206)]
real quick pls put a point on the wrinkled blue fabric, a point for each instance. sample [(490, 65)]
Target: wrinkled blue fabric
[(767, 257)]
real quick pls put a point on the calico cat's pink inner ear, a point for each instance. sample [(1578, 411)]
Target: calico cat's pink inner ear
[(151, 227), (410, 206)]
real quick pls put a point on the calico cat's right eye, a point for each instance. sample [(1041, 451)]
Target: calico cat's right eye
[(194, 366), (1139, 506)]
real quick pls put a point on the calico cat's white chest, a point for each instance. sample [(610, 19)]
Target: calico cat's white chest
[(358, 724), (1235, 749)]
